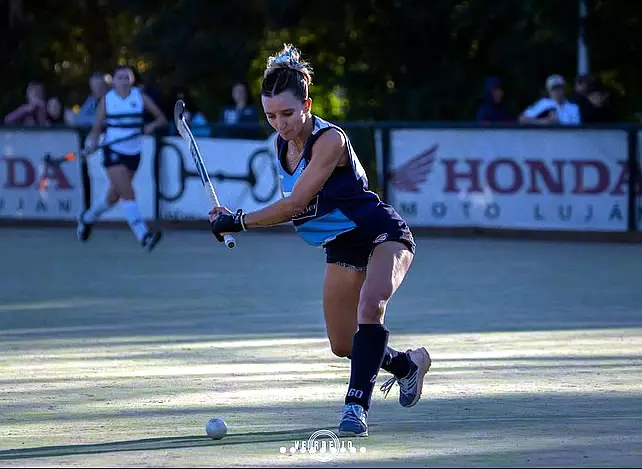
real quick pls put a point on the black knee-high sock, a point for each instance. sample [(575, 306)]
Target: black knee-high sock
[(368, 349), (397, 363)]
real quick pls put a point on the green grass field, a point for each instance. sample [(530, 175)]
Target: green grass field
[(113, 357)]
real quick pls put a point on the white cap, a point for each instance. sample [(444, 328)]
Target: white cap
[(554, 80)]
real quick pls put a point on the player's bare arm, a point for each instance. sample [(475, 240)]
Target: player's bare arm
[(159, 118), (327, 152), (99, 124)]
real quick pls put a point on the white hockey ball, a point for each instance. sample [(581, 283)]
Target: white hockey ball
[(216, 428)]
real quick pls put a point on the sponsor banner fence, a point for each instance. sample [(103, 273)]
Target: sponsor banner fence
[(569, 179), (243, 173), (510, 178), (40, 174)]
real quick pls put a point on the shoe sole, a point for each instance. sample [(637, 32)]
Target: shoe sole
[(154, 243), (421, 373)]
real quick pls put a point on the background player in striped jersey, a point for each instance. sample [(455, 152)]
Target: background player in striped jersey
[(369, 248), (121, 112)]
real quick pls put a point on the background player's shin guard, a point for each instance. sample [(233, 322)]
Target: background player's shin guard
[(95, 211), (368, 350), (135, 219)]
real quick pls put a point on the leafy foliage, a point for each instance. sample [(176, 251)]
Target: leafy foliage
[(373, 59)]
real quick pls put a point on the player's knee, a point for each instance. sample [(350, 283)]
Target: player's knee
[(341, 350), (127, 193), (372, 305)]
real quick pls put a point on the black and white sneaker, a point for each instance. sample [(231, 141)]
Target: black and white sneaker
[(411, 385), (151, 239), (83, 230)]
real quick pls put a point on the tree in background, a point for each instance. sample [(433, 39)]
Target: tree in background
[(373, 59)]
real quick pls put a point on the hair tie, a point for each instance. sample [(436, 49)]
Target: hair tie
[(286, 58)]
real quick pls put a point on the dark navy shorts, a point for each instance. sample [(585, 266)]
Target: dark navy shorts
[(113, 158), (354, 248)]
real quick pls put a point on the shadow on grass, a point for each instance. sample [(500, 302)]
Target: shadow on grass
[(149, 444), (516, 431)]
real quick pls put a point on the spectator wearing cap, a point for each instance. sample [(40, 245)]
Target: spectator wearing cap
[(553, 109)]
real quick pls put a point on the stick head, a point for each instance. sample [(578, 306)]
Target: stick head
[(179, 110)]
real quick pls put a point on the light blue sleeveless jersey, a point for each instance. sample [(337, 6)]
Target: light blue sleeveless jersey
[(343, 204)]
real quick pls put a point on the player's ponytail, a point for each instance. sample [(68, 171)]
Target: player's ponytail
[(286, 71)]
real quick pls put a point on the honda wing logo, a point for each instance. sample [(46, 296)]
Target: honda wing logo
[(412, 174)]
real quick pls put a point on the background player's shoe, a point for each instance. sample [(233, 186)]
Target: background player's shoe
[(410, 386), (354, 421), (83, 230), (151, 239)]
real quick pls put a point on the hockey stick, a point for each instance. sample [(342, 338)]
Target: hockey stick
[(88, 151), (186, 133)]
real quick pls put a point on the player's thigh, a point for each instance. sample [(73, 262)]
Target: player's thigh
[(120, 180), (387, 269), (132, 164), (341, 289)]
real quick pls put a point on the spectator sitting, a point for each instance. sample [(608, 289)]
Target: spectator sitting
[(195, 119), (600, 110), (54, 111), (555, 109), (494, 109), (242, 111), (200, 127), (34, 112), (580, 94), (99, 85)]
